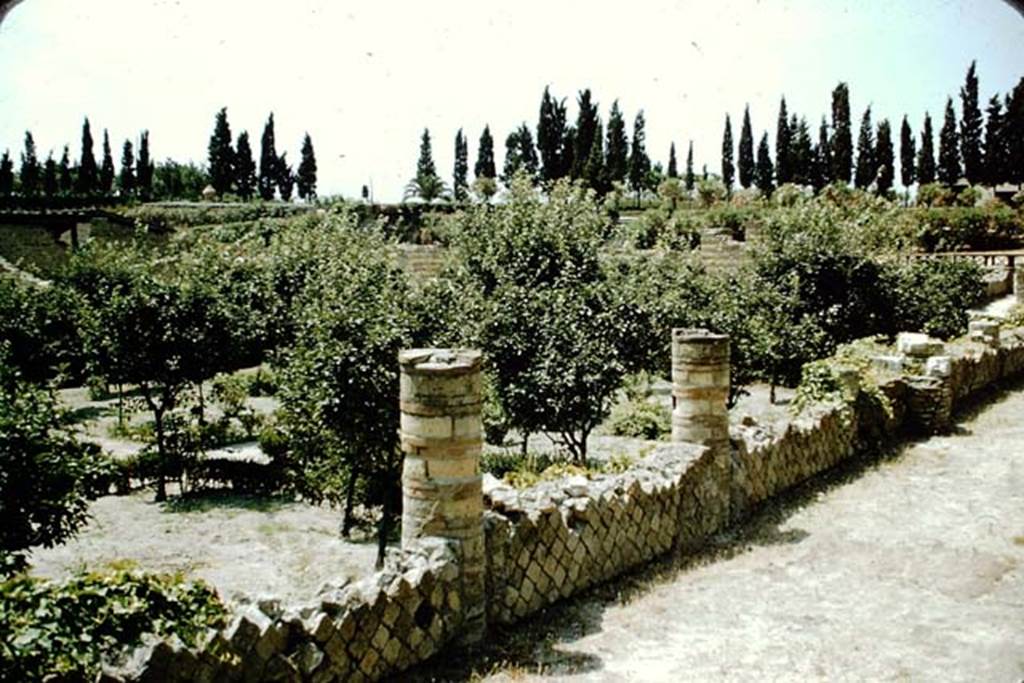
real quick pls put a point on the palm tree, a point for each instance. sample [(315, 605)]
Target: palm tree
[(428, 188)]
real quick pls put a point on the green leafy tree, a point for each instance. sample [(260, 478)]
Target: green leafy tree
[(995, 163), (460, 184), (29, 175), (520, 154), (885, 157), (284, 178), (673, 165), (268, 162), (553, 143), (106, 167), (174, 180), (688, 179), (245, 167), (127, 181), (144, 168), (765, 174), (6, 175), (908, 154), (484, 167), (728, 169), (866, 166), (220, 155), (949, 170), (783, 146), (306, 179), (586, 129), (639, 162), (971, 127), (926, 155), (426, 184), (87, 174), (67, 185), (50, 185), (617, 146), (745, 161), (842, 134)]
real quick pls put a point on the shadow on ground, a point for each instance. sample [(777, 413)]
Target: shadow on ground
[(532, 646), (205, 501)]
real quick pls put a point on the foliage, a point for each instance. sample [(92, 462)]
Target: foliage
[(639, 164), (484, 167), (460, 184), (933, 296), (728, 169), (126, 180), (86, 179), (966, 228), (245, 168), (970, 126), (267, 178), (926, 153), (639, 418), (842, 139), (949, 170), (174, 181), (306, 176), (745, 158), (42, 328), (933, 194), (68, 629), (867, 167), (711, 191), (221, 155)]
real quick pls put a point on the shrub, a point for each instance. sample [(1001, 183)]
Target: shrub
[(639, 418), (934, 194), (711, 191), (933, 296)]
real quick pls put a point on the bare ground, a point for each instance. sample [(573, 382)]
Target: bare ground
[(905, 567)]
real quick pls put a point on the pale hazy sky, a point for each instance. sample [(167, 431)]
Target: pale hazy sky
[(365, 78)]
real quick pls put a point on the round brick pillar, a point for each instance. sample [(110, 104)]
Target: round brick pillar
[(700, 388), (442, 436), (1018, 280)]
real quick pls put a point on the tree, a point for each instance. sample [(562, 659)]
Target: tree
[(688, 180), (245, 167), (173, 180), (552, 143), (885, 158), (594, 173), (6, 175), (995, 165), (306, 178), (50, 184), (764, 176), (86, 181), (842, 134), (520, 154), (926, 155), (64, 175), (616, 160), (484, 167), (639, 163), (822, 158), (949, 171), (220, 155), (268, 161), (460, 185), (29, 175), (971, 127), (866, 166), (284, 178), (728, 170), (801, 153), (144, 167), (127, 182), (783, 146), (46, 477), (745, 161), (107, 167), (673, 166), (586, 128), (1014, 107), (908, 154), (426, 184)]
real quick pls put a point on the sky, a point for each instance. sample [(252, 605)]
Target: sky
[(365, 78)]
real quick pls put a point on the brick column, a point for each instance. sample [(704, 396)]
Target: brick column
[(442, 436), (1018, 282)]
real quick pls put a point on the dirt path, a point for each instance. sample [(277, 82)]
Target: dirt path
[(913, 570)]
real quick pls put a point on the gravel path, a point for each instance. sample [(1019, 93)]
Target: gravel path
[(912, 571)]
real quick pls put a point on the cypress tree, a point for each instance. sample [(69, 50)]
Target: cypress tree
[(551, 137), (949, 171), (520, 153), (639, 163), (50, 187), (460, 184), (64, 173), (970, 127), (801, 155), (484, 167), (728, 170), (885, 158), (86, 181), (268, 161), (586, 128), (284, 178), (568, 154), (245, 167), (689, 180), (594, 172), (926, 155), (842, 134), (745, 160), (1015, 134), (513, 162), (783, 146), (823, 156), (866, 167), (994, 161), (127, 181), (908, 154), (763, 176), (306, 178), (425, 164), (220, 155), (617, 146), (673, 167), (107, 167), (144, 167), (30, 172), (6, 175)]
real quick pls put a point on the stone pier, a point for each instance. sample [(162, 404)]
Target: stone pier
[(1018, 281), (441, 437)]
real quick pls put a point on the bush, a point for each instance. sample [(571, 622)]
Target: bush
[(967, 228), (69, 629), (933, 296), (934, 194), (639, 418), (43, 328)]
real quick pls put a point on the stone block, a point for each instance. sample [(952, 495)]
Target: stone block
[(939, 366), (918, 345)]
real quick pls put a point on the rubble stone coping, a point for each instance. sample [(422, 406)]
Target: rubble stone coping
[(918, 345), (440, 361)]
